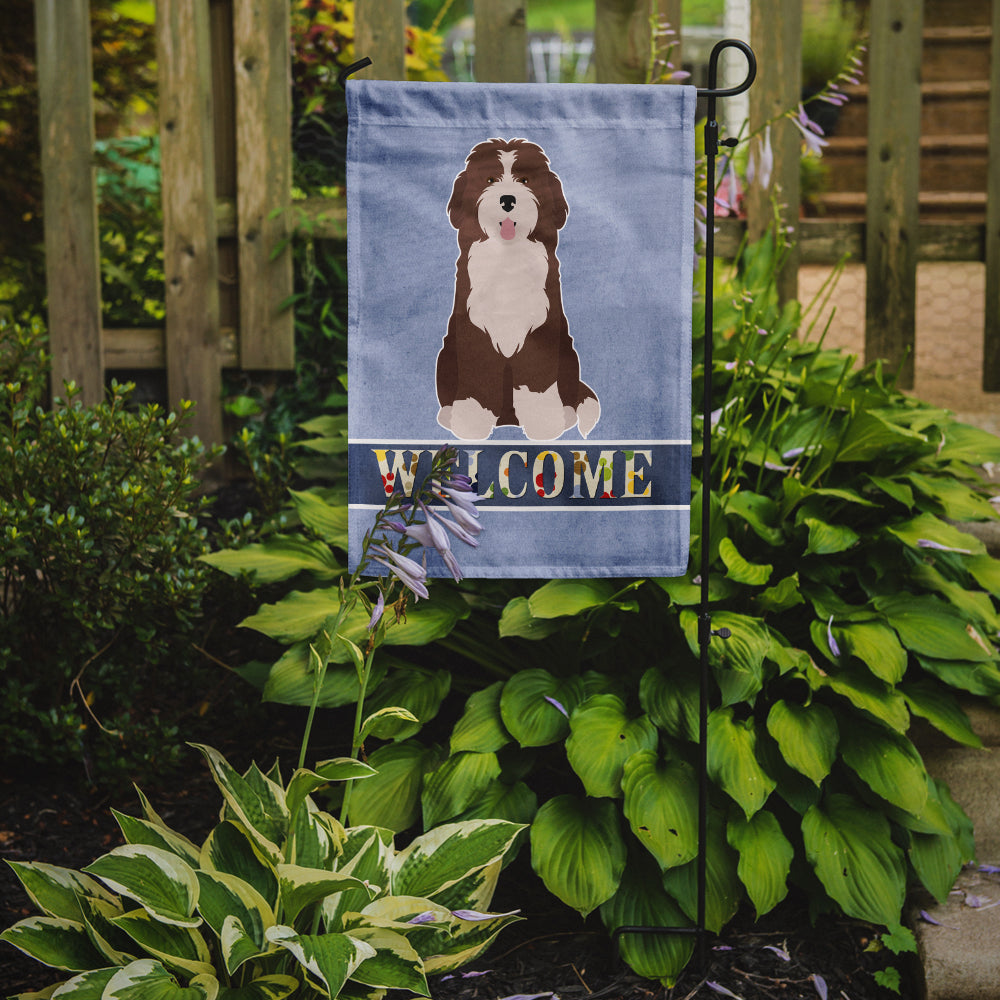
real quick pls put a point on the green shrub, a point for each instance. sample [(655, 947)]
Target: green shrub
[(99, 541), (279, 900)]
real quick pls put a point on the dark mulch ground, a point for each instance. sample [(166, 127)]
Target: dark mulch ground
[(57, 820)]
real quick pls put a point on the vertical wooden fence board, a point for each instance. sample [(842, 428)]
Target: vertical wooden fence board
[(892, 218), (220, 17), (501, 41), (776, 36), (190, 256), (991, 332), (262, 61), (669, 11), (72, 257), (622, 40), (380, 34)]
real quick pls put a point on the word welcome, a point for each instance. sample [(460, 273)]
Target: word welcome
[(511, 472)]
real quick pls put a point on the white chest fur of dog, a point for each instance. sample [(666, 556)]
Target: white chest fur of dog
[(508, 299)]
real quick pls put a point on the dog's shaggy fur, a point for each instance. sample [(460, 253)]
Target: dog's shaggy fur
[(508, 358)]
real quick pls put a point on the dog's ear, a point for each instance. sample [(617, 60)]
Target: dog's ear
[(457, 198), (558, 208)]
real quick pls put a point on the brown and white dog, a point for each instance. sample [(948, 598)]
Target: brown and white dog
[(508, 358)]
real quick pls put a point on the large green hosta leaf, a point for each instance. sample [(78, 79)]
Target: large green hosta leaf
[(661, 805), (741, 570), (671, 699), (416, 689), (876, 646), (723, 889), (642, 902), (601, 740), (941, 709), (807, 736), (738, 661), (850, 848), (932, 628), (535, 706), (456, 785), (391, 798), (481, 727), (732, 760), (928, 528), (578, 851), (278, 558), (888, 763), (765, 858), (559, 598)]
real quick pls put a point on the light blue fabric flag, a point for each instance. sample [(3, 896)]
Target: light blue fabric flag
[(520, 262)]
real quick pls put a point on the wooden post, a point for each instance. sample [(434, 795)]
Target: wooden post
[(991, 333), (261, 56), (622, 40), (380, 34), (190, 254), (72, 256), (776, 35), (501, 41), (893, 183)]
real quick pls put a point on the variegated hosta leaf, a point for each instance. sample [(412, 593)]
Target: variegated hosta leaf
[(86, 986), (141, 831), (642, 902), (177, 947), (602, 737), (578, 851), (456, 785), (225, 897), (315, 838), (256, 801), (395, 964), (661, 799), (807, 736), (888, 763), (476, 890), (56, 891), (274, 987), (466, 941), (481, 727), (158, 880), (304, 782), (723, 889), (301, 887), (367, 853), (732, 760), (54, 941), (850, 847), (147, 979), (535, 706), (230, 849), (98, 915), (441, 857), (765, 858), (329, 959)]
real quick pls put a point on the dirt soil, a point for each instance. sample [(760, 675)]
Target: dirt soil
[(56, 819)]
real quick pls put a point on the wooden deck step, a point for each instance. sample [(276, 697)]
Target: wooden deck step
[(946, 104), (957, 206)]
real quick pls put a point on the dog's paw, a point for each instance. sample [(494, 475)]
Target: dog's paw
[(540, 414), (469, 420), (587, 415)]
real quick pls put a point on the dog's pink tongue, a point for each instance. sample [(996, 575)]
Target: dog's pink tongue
[(507, 228)]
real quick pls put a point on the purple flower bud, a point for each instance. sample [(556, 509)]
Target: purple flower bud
[(558, 705), (377, 612), (927, 543), (427, 917), (820, 983), (834, 648)]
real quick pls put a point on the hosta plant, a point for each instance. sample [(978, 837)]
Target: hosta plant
[(854, 604), (279, 900)]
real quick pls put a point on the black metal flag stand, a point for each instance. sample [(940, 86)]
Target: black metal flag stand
[(705, 631)]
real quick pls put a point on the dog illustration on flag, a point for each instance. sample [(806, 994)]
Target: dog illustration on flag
[(508, 357)]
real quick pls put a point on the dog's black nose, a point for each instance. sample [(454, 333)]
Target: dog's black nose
[(507, 202)]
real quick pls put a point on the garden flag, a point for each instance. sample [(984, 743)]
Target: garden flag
[(520, 274)]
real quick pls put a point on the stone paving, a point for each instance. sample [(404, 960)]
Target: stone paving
[(949, 348)]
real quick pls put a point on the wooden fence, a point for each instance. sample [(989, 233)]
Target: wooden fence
[(226, 160)]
